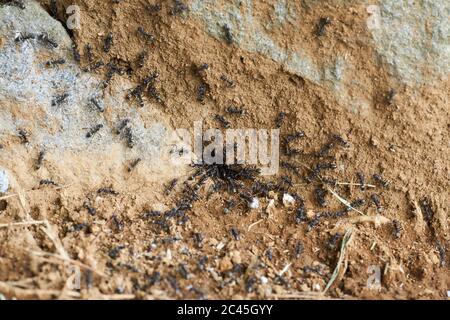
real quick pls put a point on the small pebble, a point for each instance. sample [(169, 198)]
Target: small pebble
[(288, 200), (4, 181), (254, 204)]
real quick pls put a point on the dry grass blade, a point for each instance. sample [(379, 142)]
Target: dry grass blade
[(355, 184), (345, 241), (20, 224), (46, 255), (22, 293), (345, 202), (53, 235)]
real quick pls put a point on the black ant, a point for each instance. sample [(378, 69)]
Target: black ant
[(122, 125), (280, 119), (201, 92), (76, 53), (154, 8), (107, 191), (88, 53), (23, 135), (227, 34), (108, 42), (290, 167), (390, 96), (361, 180), (128, 134), (325, 150), (53, 9), (333, 241), (136, 93), (203, 67), (427, 210), (294, 136), (222, 121), (341, 140), (376, 200), (52, 63), (133, 164), (236, 111), (198, 238), (380, 180), (178, 8), (115, 252), (47, 182), (320, 194), (171, 186), (118, 223), (442, 254), (39, 160), (58, 100), (300, 213), (141, 59), (321, 26), (91, 210), (397, 228), (183, 271), (42, 38), (14, 3), (235, 234), (298, 250), (147, 36), (96, 104), (94, 130), (229, 82)]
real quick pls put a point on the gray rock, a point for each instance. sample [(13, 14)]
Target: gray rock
[(413, 37), (26, 82)]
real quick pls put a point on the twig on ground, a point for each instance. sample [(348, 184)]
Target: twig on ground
[(345, 241)]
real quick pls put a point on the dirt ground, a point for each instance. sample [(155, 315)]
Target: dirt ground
[(131, 245)]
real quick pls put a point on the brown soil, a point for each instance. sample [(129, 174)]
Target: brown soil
[(120, 251)]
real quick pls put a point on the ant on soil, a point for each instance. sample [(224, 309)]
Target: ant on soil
[(107, 191), (171, 186), (397, 228), (228, 81), (225, 124), (108, 42), (239, 111), (280, 119), (133, 164), (321, 26), (147, 36), (178, 8), (47, 182), (380, 180), (376, 200), (201, 92), (39, 160)]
